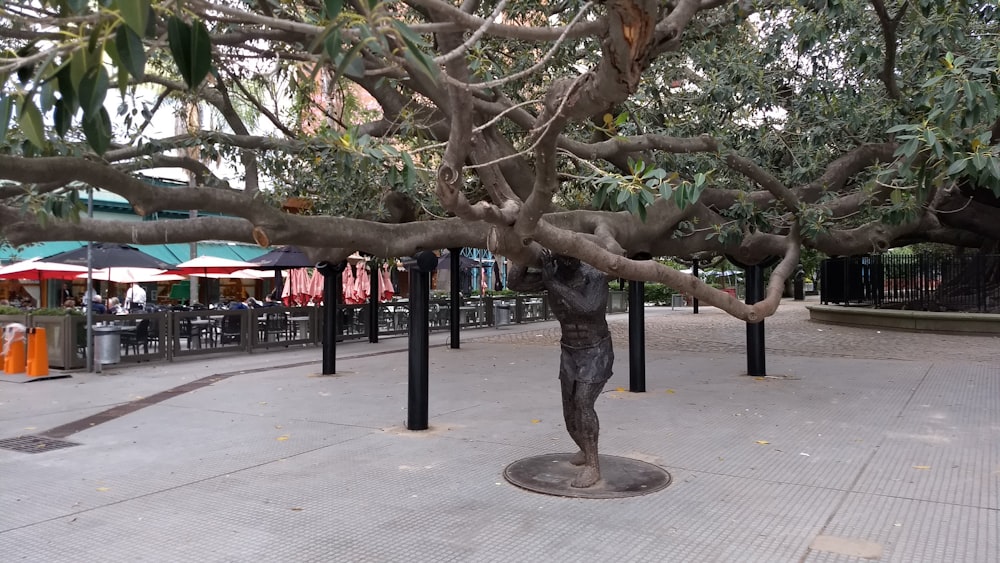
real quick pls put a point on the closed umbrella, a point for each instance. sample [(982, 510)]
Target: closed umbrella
[(316, 286), (362, 285), (297, 287), (348, 285), (385, 288)]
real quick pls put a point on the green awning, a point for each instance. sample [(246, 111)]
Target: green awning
[(40, 250), (172, 253)]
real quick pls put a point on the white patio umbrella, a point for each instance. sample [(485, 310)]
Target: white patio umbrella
[(132, 275), (205, 265), (240, 274), (37, 269)]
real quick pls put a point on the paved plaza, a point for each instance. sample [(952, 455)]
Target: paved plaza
[(860, 445)]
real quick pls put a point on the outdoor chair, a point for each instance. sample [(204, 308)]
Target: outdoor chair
[(153, 335), (134, 339), (231, 329)]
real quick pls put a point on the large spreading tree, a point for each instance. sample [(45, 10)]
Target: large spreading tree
[(609, 131)]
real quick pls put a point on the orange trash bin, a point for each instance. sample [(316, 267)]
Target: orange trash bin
[(13, 348), (38, 353)]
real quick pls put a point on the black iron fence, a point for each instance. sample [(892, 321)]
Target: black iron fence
[(163, 336), (924, 282)]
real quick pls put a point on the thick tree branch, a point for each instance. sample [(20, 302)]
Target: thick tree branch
[(889, 27)]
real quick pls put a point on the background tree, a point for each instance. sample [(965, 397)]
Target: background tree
[(600, 130)]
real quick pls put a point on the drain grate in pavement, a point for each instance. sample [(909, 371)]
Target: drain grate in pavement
[(34, 444)]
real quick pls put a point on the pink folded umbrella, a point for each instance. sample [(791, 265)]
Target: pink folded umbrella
[(316, 286), (385, 289), (348, 285), (296, 288), (362, 285)]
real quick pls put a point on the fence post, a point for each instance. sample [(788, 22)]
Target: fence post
[(454, 313), (636, 337), (373, 301), (980, 282), (332, 282), (694, 272), (419, 365)]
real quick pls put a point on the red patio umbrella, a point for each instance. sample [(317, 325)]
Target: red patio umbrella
[(205, 265), (37, 269)]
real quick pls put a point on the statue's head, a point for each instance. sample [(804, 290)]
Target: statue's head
[(566, 262)]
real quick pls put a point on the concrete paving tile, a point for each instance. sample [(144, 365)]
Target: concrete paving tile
[(276, 464), (913, 531)]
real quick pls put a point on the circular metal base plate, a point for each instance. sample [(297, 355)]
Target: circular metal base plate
[(551, 474)]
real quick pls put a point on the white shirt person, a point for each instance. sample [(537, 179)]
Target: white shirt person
[(135, 297)]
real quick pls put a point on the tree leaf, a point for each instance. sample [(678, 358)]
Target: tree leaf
[(62, 116), (957, 167), (135, 13), (191, 50), (77, 67), (6, 109), (131, 51), (333, 8), (30, 121), (97, 128), (331, 45), (67, 89), (412, 41), (93, 90)]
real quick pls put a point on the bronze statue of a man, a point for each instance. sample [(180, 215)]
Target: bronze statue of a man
[(578, 297)]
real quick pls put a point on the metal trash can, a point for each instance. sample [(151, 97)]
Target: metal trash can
[(676, 300), (501, 313), (107, 344)]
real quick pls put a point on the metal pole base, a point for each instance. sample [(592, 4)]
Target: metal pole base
[(551, 474)]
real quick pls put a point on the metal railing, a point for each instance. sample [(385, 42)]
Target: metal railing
[(927, 282), (163, 336)]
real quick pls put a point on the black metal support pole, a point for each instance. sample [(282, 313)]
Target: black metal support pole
[(636, 337), (279, 283), (755, 331), (331, 305), (694, 272), (373, 300), (419, 364), (456, 298)]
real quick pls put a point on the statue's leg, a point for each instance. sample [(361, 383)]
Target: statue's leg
[(568, 388), (588, 429)]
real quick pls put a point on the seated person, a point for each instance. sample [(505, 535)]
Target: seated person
[(115, 308), (97, 305)]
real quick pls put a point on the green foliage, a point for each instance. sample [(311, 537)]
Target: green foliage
[(54, 312), (191, 48), (658, 294)]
